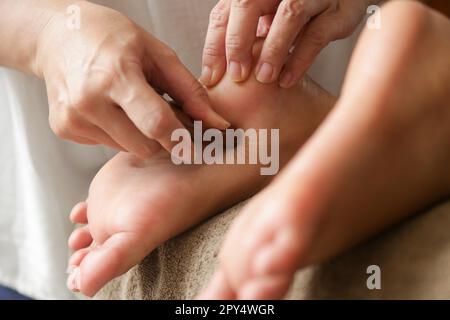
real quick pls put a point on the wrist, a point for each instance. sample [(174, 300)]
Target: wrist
[(53, 24)]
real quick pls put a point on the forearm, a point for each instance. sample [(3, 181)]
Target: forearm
[(21, 25)]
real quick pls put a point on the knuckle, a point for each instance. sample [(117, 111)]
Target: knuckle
[(68, 120), (58, 130), (129, 39), (292, 9), (342, 28), (218, 17), (102, 83), (130, 96), (211, 50), (156, 123), (82, 103), (234, 44), (64, 125), (298, 62), (86, 96), (63, 118), (273, 50), (166, 53), (125, 43), (242, 4), (133, 38)]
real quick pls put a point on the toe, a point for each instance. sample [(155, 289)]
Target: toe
[(103, 263), (73, 280), (73, 270), (283, 255), (268, 288), (217, 288), (80, 238), (79, 213), (76, 258)]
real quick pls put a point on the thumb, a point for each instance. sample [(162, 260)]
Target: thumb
[(181, 85), (112, 259)]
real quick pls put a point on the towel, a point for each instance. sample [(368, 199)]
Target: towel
[(413, 260)]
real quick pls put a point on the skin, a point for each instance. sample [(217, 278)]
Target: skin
[(306, 25), (104, 79), (382, 155), (136, 205)]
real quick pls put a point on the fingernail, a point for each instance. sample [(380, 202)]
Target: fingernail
[(221, 122), (73, 281), (206, 76), (235, 70), (286, 80), (265, 73)]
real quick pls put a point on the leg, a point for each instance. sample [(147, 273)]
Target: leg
[(381, 156), (134, 206)]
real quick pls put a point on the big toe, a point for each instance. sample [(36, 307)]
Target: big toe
[(284, 254), (274, 265), (266, 288), (103, 263)]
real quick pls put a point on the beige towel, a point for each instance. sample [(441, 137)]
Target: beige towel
[(414, 259)]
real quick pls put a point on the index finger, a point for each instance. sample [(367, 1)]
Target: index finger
[(241, 34), (181, 85), (214, 60), (148, 111)]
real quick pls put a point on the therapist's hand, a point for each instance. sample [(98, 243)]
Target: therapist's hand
[(307, 26), (105, 80)]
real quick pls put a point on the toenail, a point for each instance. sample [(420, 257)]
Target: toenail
[(206, 76), (73, 281), (235, 70)]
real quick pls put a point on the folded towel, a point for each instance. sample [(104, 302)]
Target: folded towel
[(413, 257)]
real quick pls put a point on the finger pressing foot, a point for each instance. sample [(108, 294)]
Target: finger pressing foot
[(280, 256)]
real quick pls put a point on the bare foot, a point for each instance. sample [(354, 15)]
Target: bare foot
[(381, 155), (136, 205)]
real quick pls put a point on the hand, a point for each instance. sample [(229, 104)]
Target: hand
[(105, 81), (307, 26)]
